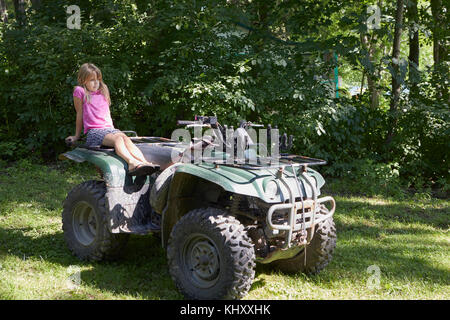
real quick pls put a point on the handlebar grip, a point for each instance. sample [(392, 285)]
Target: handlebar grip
[(69, 142), (185, 122), (72, 144)]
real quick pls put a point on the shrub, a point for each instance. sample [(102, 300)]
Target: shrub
[(369, 178)]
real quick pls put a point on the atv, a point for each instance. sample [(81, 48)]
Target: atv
[(219, 202)]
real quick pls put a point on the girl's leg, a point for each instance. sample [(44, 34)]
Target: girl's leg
[(117, 141), (132, 149)]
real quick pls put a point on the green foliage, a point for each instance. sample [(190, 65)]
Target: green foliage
[(369, 178), (262, 61), (38, 105), (183, 61), (12, 149)]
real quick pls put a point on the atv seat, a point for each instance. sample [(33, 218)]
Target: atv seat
[(158, 154), (154, 153), (97, 148)]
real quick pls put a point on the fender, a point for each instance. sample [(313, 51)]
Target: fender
[(127, 197), (181, 195), (111, 165), (250, 182)]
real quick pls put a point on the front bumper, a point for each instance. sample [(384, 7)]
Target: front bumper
[(299, 219), (303, 215)]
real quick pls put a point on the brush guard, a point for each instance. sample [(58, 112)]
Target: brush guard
[(305, 211)]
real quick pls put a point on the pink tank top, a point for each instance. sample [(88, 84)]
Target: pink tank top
[(96, 114)]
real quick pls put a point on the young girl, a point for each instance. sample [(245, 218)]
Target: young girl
[(91, 99)]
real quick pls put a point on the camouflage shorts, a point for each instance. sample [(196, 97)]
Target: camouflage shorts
[(95, 136)]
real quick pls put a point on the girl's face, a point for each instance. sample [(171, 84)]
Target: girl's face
[(92, 83)]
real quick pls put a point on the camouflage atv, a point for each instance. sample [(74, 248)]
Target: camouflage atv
[(216, 214)]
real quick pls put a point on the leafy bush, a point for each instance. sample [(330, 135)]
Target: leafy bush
[(366, 177), (169, 60), (182, 62), (40, 63)]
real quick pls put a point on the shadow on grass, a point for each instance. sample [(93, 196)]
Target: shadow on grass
[(395, 263), (141, 272), (438, 218), (401, 252), (44, 187), (405, 250), (351, 263)]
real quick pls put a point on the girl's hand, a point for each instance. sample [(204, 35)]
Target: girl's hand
[(71, 139)]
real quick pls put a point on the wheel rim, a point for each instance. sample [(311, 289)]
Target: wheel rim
[(200, 260), (84, 223)]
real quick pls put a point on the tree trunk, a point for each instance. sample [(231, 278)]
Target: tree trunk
[(395, 94), (36, 4), (371, 74), (436, 11), (413, 58), (3, 13), (372, 81), (19, 9), (362, 83), (440, 48)]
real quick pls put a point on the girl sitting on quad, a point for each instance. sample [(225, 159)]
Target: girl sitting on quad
[(91, 99)]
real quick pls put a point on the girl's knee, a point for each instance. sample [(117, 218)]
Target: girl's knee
[(118, 139), (120, 134), (126, 138)]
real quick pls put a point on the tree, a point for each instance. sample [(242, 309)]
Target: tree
[(36, 4), (414, 50), (396, 82), (439, 46), (3, 13), (370, 45), (19, 9)]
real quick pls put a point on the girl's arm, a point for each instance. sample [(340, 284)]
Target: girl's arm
[(79, 121)]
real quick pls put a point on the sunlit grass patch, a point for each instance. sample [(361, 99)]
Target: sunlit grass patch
[(387, 249)]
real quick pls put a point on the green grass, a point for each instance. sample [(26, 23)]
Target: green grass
[(406, 239)]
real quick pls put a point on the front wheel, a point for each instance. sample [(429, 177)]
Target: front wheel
[(318, 253), (210, 256)]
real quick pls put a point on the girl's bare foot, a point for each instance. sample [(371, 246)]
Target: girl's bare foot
[(142, 169), (149, 164), (133, 165)]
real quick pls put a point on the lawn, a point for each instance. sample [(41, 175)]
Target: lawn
[(387, 249)]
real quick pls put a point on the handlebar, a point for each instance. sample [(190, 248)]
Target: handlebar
[(186, 122), (286, 142), (248, 124), (200, 120)]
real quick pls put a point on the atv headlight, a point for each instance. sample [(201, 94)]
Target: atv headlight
[(271, 189)]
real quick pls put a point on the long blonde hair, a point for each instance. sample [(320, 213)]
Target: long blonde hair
[(86, 70)]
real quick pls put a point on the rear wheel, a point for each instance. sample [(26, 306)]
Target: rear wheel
[(85, 225), (210, 256)]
